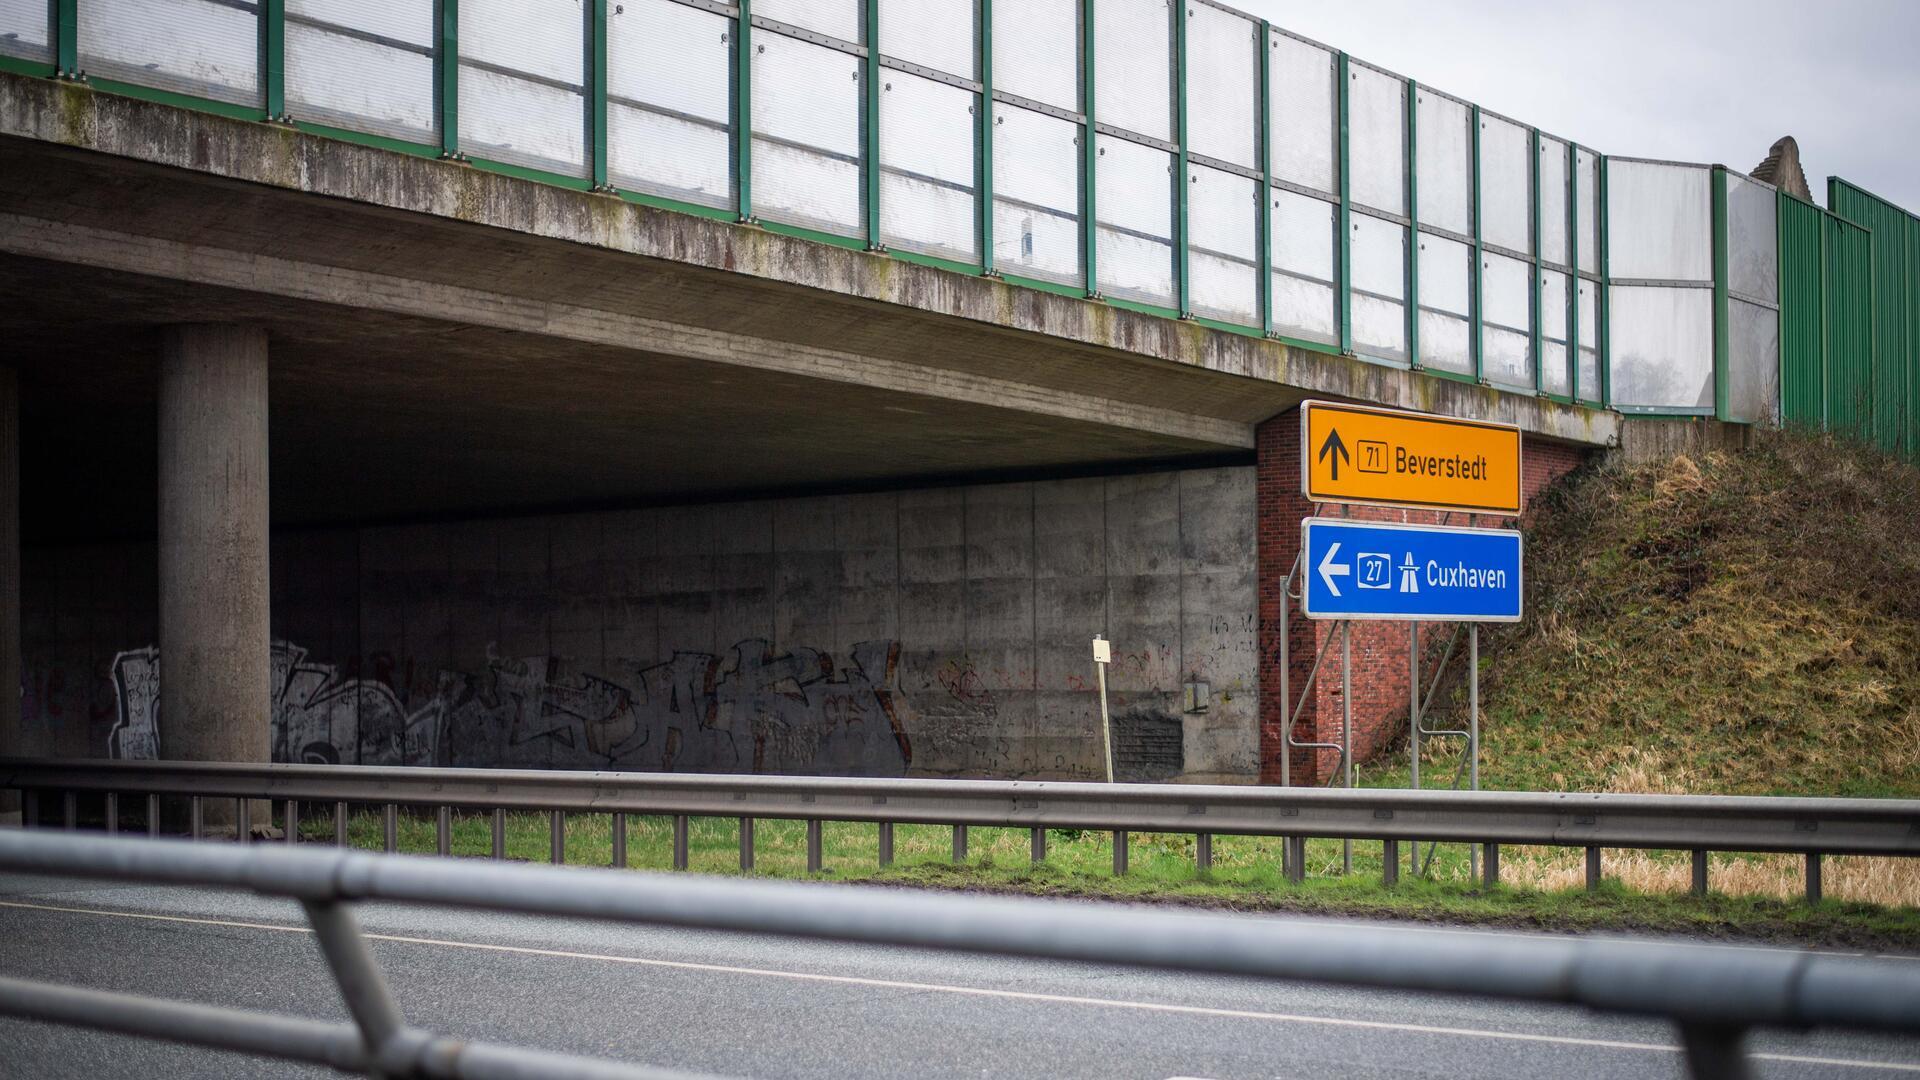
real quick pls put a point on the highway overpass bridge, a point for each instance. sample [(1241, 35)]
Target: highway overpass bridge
[(441, 453)]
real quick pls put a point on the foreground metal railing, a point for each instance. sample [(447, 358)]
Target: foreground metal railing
[(1712, 996), (1811, 828)]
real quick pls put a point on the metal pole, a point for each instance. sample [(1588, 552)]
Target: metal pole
[(390, 828), (1286, 679), (1593, 869), (680, 841), (153, 815), (1203, 851), (746, 845), (1813, 877), (1473, 731), (443, 830), (886, 843), (499, 833), (814, 860), (70, 809), (196, 818), (620, 841), (1120, 853), (1699, 873), (362, 987), (1106, 722), (339, 824), (1715, 1051), (242, 821), (959, 843), (1037, 843), (557, 837), (291, 817), (113, 814), (1346, 729), (1413, 692)]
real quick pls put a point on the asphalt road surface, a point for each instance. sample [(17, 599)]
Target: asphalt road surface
[(740, 1005)]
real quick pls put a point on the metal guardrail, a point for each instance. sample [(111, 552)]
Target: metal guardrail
[(1713, 997), (1812, 828)]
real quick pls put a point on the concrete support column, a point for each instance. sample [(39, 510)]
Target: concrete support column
[(12, 736), (214, 634)]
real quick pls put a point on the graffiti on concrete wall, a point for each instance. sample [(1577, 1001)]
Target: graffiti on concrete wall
[(752, 710)]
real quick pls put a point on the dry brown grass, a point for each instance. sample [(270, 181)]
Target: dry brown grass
[(1888, 882)]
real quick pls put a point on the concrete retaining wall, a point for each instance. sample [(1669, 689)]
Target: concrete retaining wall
[(938, 632)]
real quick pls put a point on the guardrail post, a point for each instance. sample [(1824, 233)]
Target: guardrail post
[(1390, 862), (340, 824), (499, 833), (1593, 869), (1715, 1050), (1203, 851), (886, 843), (620, 841), (390, 828), (362, 987), (29, 808), (153, 815), (1491, 865), (443, 830), (1813, 877), (1296, 859), (557, 837), (69, 810), (292, 818), (1038, 842), (1699, 873), (813, 846), (680, 841), (959, 843), (196, 817), (746, 845), (1120, 853), (243, 821), (113, 814)]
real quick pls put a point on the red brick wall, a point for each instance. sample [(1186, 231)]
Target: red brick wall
[(1380, 675)]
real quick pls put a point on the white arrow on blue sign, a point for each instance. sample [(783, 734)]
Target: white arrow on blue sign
[(1374, 570)]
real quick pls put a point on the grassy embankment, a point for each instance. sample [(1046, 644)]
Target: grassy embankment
[(1739, 624)]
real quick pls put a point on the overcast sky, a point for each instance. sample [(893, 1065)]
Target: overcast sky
[(1713, 81)]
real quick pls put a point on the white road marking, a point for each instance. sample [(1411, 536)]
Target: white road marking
[(984, 992)]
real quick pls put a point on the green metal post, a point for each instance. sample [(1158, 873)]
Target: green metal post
[(1089, 203), (1606, 295), (1413, 223), (450, 79), (743, 109), (1183, 291), (1539, 286), (66, 32), (1573, 264), (1479, 255), (273, 58), (1345, 250), (1722, 338), (871, 111), (983, 137), (1265, 150), (597, 91)]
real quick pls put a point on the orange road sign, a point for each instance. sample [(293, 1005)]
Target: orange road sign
[(1383, 457)]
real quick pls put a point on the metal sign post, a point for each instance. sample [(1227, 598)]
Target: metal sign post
[(1102, 656)]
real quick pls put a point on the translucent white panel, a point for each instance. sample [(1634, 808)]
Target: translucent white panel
[(1303, 120), (1556, 376), (1135, 185), (1036, 195), (1753, 247), (520, 122), (1445, 305), (926, 166), (1223, 86), (1444, 163), (1036, 51), (932, 33), (1587, 180), (547, 38), (1506, 321), (834, 18), (1589, 387), (26, 29), (197, 47), (1377, 139), (806, 135), (1133, 65), (1659, 222), (670, 100), (1305, 303), (1223, 244), (1661, 346), (1753, 368), (1506, 185), (1555, 225), (366, 65), (1379, 288)]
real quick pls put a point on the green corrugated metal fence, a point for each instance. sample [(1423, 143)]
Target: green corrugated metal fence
[(1803, 335), (1885, 389)]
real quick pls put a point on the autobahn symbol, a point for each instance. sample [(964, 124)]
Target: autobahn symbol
[(1384, 457), (1375, 570)]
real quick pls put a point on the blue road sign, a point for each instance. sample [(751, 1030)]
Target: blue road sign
[(1370, 570)]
